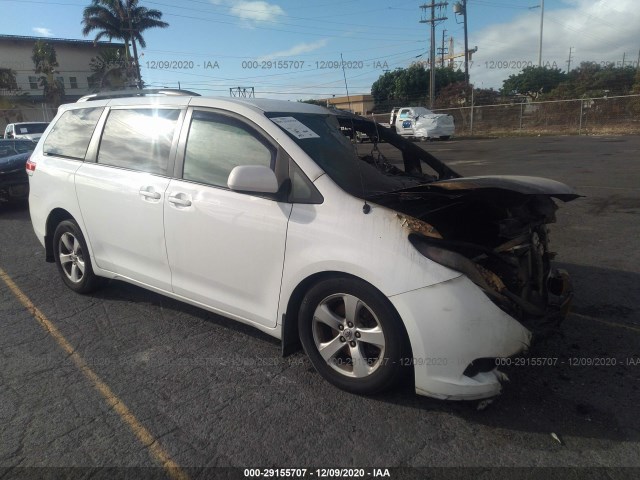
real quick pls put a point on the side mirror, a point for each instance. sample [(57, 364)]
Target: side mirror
[(253, 178)]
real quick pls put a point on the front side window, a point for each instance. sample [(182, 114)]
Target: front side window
[(72, 132), (139, 139), (217, 144)]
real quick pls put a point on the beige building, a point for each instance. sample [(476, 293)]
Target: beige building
[(73, 71), (358, 104)]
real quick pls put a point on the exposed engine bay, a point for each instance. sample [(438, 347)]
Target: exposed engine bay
[(491, 228)]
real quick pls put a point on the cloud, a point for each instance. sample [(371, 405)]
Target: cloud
[(257, 11), (252, 10), (43, 32), (595, 30), (296, 50)]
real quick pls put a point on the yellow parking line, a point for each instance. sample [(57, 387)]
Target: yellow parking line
[(144, 436), (606, 322)]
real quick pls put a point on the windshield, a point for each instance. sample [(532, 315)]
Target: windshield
[(322, 139), (14, 147), (28, 128)]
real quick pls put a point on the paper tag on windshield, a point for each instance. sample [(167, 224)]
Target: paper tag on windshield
[(295, 127), (23, 130)]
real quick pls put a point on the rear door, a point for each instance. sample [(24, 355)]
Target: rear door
[(225, 248), (122, 193)]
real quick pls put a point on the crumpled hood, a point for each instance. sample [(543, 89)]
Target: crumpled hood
[(514, 183)]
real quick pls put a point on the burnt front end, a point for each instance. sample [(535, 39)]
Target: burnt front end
[(495, 231)]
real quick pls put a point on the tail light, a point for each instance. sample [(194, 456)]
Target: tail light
[(30, 166)]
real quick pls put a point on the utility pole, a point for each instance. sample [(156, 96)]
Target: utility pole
[(432, 23), (541, 27), (443, 50), (569, 61), (461, 9), (466, 45)]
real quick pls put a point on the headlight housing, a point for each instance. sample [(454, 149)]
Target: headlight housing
[(479, 275)]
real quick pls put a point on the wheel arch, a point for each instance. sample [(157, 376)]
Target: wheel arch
[(56, 216), (290, 337)]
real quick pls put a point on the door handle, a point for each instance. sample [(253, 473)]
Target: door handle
[(180, 199), (149, 193)]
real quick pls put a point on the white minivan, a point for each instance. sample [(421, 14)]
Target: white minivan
[(264, 212)]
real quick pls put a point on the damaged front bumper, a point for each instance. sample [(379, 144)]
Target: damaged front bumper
[(451, 325), (461, 328)]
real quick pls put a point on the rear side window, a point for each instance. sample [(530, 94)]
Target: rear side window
[(139, 139), (217, 144), (71, 134)]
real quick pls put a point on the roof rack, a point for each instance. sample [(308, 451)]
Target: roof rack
[(135, 92)]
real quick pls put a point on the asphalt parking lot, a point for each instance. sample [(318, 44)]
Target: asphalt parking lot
[(128, 378)]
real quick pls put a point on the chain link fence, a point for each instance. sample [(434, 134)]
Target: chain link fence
[(619, 115)]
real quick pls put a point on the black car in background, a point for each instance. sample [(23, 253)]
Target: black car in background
[(14, 182)]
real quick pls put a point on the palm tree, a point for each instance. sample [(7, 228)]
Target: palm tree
[(109, 70), (122, 20), (45, 60)]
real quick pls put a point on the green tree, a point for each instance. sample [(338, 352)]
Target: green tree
[(591, 79), (383, 90), (45, 61), (121, 20), (410, 86), (457, 95), (8, 80), (533, 81), (110, 70)]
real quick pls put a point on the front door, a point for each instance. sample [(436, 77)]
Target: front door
[(225, 248)]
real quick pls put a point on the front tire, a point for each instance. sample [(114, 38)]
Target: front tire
[(352, 335), (72, 258)]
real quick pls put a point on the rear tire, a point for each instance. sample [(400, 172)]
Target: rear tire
[(352, 335), (72, 258)]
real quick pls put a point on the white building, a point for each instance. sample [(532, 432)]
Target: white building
[(73, 57)]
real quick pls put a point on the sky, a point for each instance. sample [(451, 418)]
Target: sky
[(292, 49)]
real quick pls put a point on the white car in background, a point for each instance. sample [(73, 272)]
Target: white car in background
[(262, 211), (25, 130), (421, 123)]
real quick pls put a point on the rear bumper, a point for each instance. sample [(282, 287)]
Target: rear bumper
[(435, 131), (450, 325)]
